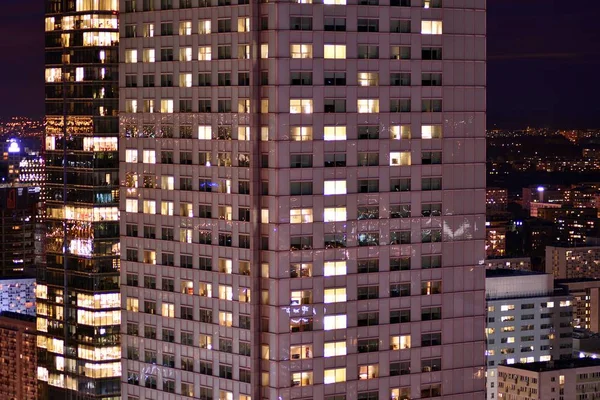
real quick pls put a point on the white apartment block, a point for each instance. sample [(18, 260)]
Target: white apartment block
[(527, 321)]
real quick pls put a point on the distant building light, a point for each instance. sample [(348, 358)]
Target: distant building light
[(540, 189), (14, 147)]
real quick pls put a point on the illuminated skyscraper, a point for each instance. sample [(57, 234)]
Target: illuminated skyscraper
[(303, 200), (78, 296)]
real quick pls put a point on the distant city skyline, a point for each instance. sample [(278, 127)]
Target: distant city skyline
[(540, 58)]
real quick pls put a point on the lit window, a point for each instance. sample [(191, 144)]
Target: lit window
[(366, 106), (301, 133), (431, 131), (204, 53), (336, 295), (204, 26), (334, 51), (400, 158), (398, 132), (166, 208), (333, 349), (167, 183), (166, 106), (565, 303), (131, 106), (204, 132), (53, 74), (299, 297), (302, 378), (185, 80), (243, 133), (333, 268), (243, 24), (334, 214), (368, 371), (79, 74), (225, 265), (225, 292), (400, 342), (264, 51), (149, 207), (264, 106), (131, 156), (168, 310), (131, 205), (185, 28), (431, 27), (133, 305), (148, 30), (130, 56), (301, 352), (205, 289), (185, 54), (301, 106), (334, 2), (507, 307), (148, 56), (331, 322), (301, 51), (334, 375), (301, 216), (550, 304), (149, 157), (225, 318), (334, 133), (264, 215), (368, 79), (334, 187)]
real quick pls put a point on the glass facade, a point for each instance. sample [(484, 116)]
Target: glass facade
[(78, 288)]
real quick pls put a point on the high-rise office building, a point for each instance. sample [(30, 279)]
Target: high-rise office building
[(302, 211), (78, 295)]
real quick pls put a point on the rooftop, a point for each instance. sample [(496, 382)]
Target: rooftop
[(506, 272), (545, 366)]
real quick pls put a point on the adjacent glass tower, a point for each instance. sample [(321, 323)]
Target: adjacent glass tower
[(78, 295), (303, 199)]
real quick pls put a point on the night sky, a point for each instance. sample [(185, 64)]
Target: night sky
[(543, 62)]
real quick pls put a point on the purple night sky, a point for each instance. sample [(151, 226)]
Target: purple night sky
[(543, 56)]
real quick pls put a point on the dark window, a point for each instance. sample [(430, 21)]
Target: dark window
[(131, 80), (243, 78), (431, 313), (431, 183), (166, 157), (368, 159), (244, 241), (185, 106), (431, 339), (301, 23), (206, 368), (132, 280), (431, 391), (431, 105), (368, 345), (368, 51), (225, 239), (399, 316), (400, 264), (335, 105), (400, 25), (245, 348), (400, 237), (166, 80), (204, 237), (168, 335), (301, 78), (168, 285), (368, 25), (245, 375), (400, 79), (367, 212), (224, 25), (167, 55), (368, 2), (244, 187), (399, 105), (431, 261), (150, 332), (167, 259), (244, 214), (187, 364), (301, 188), (366, 266), (225, 371), (186, 261), (368, 239), (204, 79), (334, 24), (367, 292), (301, 242), (244, 322), (431, 157), (185, 157), (166, 4), (224, 79), (400, 368), (428, 79), (431, 53), (432, 364), (205, 264), (334, 240), (431, 210), (224, 106), (204, 106), (224, 52), (166, 28), (334, 78), (400, 52), (368, 131), (368, 319), (399, 289), (205, 185), (167, 233), (368, 396), (187, 313), (400, 185), (368, 186), (301, 160), (226, 345), (132, 230), (400, 3), (400, 211)]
